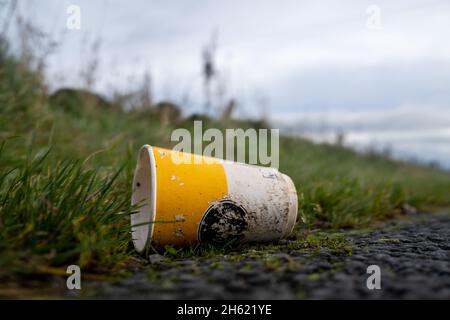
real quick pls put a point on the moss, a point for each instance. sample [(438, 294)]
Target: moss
[(314, 276)]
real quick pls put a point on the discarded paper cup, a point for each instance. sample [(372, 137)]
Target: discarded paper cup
[(208, 200)]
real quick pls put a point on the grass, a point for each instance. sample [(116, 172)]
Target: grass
[(61, 212), (65, 181)]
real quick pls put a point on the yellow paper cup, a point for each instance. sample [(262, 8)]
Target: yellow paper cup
[(203, 199)]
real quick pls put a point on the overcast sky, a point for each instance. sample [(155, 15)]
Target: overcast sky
[(314, 63)]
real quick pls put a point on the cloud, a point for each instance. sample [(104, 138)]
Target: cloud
[(316, 60)]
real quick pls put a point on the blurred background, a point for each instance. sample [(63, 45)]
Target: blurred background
[(368, 75)]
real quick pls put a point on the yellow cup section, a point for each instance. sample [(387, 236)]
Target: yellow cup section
[(183, 193)]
